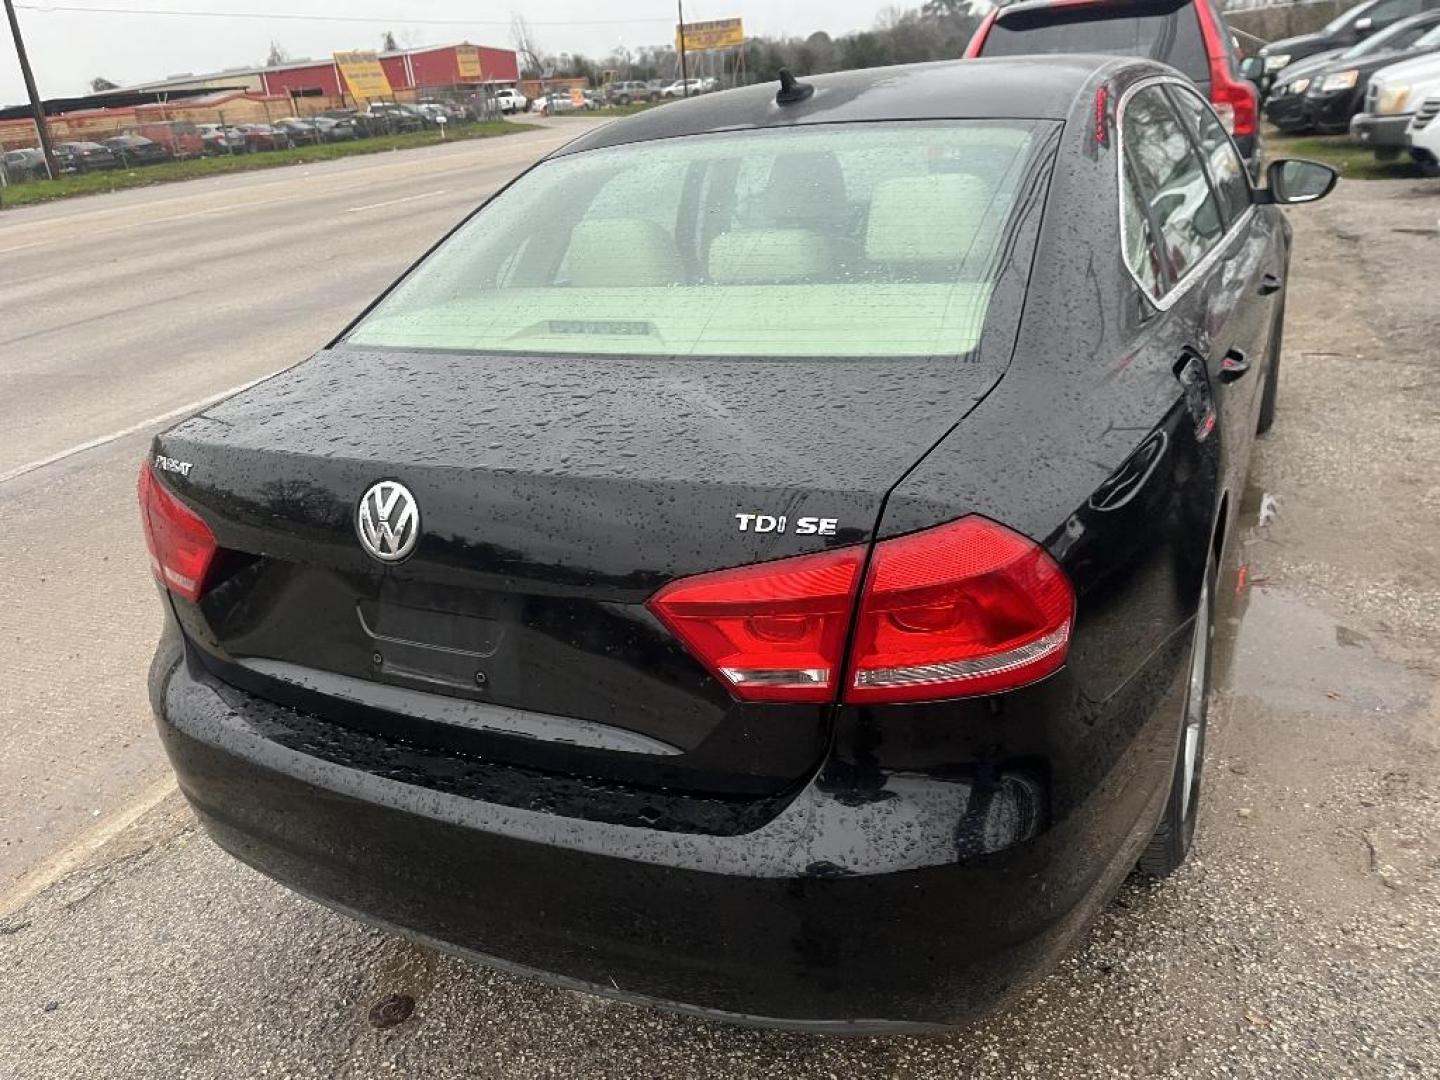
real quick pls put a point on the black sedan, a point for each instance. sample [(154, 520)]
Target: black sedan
[(137, 150), (81, 157), (764, 561), (1322, 95)]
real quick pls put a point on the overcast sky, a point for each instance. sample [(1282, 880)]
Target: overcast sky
[(69, 48)]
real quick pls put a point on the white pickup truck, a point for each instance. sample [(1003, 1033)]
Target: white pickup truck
[(511, 100)]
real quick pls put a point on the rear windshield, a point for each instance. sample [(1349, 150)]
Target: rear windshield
[(834, 240), (1171, 36)]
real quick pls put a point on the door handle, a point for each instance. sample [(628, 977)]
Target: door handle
[(1233, 366), (1270, 283)]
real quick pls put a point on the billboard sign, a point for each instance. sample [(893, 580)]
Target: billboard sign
[(364, 77), (716, 34)]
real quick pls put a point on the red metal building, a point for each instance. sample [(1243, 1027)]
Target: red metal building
[(456, 65)]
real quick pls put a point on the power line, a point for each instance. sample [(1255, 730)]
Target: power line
[(291, 16)]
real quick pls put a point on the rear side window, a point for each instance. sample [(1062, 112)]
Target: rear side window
[(1227, 168), (1168, 33), (1171, 180), (875, 239)]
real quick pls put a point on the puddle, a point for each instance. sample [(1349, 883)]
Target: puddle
[(1294, 656)]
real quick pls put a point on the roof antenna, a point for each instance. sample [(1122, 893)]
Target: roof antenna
[(792, 90)]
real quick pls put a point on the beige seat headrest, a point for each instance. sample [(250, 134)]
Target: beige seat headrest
[(623, 252), (925, 219)]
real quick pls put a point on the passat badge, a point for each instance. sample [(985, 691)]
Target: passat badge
[(388, 521)]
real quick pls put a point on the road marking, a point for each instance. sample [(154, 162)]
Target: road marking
[(21, 247), (395, 202), (151, 421), (66, 861)]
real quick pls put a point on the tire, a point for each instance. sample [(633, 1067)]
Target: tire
[(1272, 376), (1175, 833)]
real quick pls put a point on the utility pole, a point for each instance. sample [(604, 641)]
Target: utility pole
[(684, 73), (35, 103)]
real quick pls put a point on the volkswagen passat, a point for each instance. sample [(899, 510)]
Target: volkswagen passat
[(763, 561)]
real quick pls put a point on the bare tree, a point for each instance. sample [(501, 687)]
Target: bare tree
[(277, 55), (388, 43)]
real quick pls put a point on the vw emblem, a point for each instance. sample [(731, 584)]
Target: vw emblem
[(388, 521)]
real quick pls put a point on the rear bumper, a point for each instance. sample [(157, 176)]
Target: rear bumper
[(1380, 132), (852, 910)]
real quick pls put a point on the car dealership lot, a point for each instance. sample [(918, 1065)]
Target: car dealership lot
[(1301, 939)]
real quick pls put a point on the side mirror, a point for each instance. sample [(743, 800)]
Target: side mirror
[(1252, 68), (1365, 25), (1294, 180)]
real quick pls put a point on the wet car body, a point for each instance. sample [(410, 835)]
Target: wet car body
[(592, 805)]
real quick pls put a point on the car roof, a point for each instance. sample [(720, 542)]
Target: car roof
[(1024, 87)]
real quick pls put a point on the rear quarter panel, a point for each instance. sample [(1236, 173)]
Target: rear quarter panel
[(1086, 447)]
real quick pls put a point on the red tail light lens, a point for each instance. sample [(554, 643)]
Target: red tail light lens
[(961, 609), (771, 632), (182, 547), (964, 608)]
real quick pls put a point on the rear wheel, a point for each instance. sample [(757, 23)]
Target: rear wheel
[(1172, 839), (1272, 376)]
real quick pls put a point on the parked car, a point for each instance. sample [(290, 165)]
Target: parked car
[(335, 130), (556, 101), (389, 118), (1323, 95), (22, 165), (848, 709), (1424, 136), (1189, 35), (300, 132), (136, 150), (1392, 97), (627, 91), (84, 157), (1346, 29), (511, 100), (264, 137), (219, 139), (683, 88)]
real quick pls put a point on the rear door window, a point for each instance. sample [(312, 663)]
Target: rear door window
[(1168, 33), (1227, 168), (1171, 179)]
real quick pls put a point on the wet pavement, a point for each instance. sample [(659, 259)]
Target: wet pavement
[(1302, 939)]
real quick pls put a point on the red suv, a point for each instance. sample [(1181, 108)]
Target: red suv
[(1186, 34)]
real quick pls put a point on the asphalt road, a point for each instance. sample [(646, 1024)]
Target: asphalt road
[(1303, 938), (117, 311)]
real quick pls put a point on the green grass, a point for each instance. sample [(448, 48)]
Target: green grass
[(172, 171), (1352, 160)]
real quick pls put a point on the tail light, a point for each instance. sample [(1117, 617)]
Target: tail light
[(182, 547), (772, 632), (965, 608), (1234, 105), (1236, 101)]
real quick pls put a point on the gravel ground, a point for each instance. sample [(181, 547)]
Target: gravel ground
[(1303, 938)]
